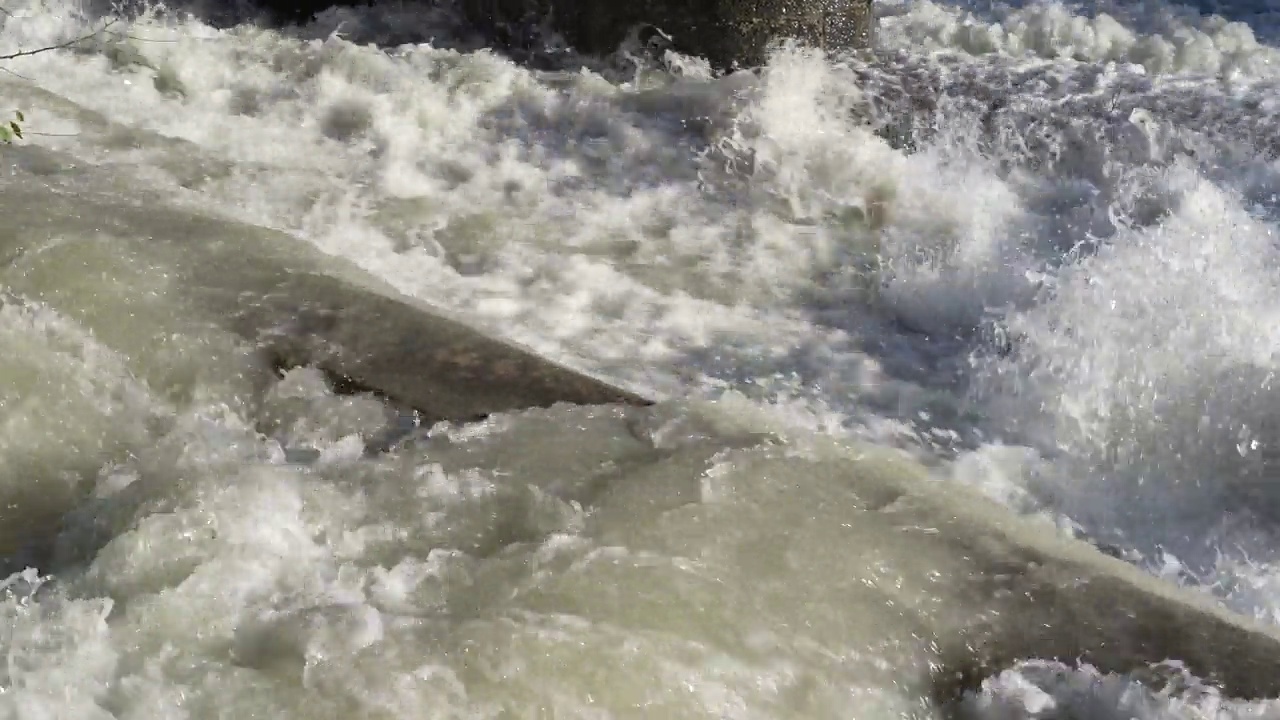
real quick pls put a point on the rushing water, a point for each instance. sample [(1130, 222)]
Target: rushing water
[(1063, 292)]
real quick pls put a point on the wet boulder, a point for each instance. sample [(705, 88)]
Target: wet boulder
[(727, 33)]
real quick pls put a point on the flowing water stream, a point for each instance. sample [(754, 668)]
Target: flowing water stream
[(1058, 285)]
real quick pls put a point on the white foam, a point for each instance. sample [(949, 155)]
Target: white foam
[(682, 234), (1160, 41)]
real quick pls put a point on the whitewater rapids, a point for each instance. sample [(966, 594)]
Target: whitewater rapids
[(1064, 293)]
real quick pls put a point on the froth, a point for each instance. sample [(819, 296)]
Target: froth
[(1075, 190), (1159, 41)]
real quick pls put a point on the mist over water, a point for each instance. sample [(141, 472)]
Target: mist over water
[(1062, 291)]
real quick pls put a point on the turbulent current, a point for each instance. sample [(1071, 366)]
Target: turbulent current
[(1031, 249)]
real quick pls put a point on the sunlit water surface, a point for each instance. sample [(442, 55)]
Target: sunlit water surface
[(1065, 295)]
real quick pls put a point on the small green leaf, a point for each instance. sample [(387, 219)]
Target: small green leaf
[(15, 128)]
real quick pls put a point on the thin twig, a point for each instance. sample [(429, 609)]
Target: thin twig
[(59, 46), (17, 75), (150, 40)]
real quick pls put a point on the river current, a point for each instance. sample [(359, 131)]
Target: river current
[(1031, 247)]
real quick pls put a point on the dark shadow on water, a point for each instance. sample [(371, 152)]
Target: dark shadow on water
[(886, 379)]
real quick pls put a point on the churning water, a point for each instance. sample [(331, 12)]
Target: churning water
[(1063, 289)]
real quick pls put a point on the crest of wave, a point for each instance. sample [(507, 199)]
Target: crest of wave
[(1149, 373), (1041, 690), (1161, 37)]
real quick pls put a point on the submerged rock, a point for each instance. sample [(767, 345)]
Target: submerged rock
[(200, 306), (727, 33)]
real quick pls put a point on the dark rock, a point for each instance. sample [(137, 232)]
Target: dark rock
[(728, 33)]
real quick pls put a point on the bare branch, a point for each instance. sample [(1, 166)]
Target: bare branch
[(59, 46), (13, 128)]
